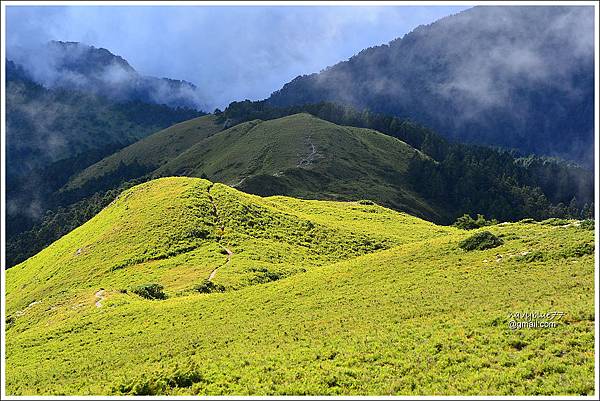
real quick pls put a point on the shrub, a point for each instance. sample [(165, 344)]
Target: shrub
[(466, 222), (587, 224), (207, 286), (366, 202), (480, 241), (264, 275), (555, 222), (535, 256), (161, 382), (578, 251), (150, 291)]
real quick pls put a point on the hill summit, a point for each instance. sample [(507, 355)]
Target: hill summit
[(297, 155), (185, 287)]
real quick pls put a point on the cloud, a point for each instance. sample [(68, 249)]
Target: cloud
[(230, 53), (485, 75)]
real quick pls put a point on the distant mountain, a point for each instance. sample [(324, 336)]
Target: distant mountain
[(53, 133), (518, 77), (77, 66)]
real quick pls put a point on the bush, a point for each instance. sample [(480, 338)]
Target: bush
[(207, 286), (150, 291), (555, 222), (264, 275), (587, 224), (480, 241), (466, 222), (535, 256), (578, 251), (161, 382)]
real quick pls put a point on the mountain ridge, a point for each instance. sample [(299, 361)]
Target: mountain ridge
[(481, 76), (77, 66)]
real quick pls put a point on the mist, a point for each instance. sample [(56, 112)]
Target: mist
[(229, 53)]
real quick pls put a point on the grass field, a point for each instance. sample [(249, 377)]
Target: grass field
[(298, 155), (315, 297)]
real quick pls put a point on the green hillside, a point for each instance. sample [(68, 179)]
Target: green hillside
[(284, 296), (297, 155), (151, 152)]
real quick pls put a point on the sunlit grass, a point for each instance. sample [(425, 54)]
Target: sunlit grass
[(320, 298)]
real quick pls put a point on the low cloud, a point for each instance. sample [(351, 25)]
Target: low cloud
[(229, 53)]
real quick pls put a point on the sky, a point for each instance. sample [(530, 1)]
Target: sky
[(229, 52)]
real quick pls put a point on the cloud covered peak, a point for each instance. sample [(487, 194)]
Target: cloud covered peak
[(77, 66)]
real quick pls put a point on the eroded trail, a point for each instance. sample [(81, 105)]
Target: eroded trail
[(214, 272), (219, 236), (308, 160)]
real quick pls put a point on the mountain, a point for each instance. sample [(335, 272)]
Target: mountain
[(294, 153), (303, 156), (77, 66), (297, 155), (54, 133), (185, 287), (145, 155), (518, 77)]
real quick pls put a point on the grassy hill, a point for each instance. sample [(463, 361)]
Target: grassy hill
[(152, 151), (297, 155), (284, 296)]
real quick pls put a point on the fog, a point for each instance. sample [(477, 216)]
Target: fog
[(229, 53)]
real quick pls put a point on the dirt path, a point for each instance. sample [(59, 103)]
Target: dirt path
[(307, 161), (239, 183), (214, 272), (222, 228), (100, 297), (22, 312), (215, 210)]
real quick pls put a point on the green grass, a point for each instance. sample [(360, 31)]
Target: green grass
[(152, 151), (303, 156), (298, 155), (318, 297)]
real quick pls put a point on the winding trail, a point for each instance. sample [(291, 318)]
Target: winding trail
[(307, 161), (213, 273), (22, 312)]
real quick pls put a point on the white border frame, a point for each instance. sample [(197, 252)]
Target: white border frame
[(293, 3)]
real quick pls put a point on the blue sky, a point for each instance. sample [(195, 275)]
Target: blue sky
[(231, 53)]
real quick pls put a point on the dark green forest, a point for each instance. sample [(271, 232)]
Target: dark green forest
[(54, 133)]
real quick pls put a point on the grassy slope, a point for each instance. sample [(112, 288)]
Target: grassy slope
[(154, 150), (303, 156), (298, 155), (371, 301)]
